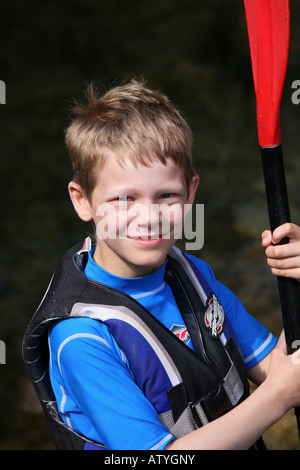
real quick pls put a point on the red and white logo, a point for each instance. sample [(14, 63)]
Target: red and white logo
[(214, 316), (181, 332)]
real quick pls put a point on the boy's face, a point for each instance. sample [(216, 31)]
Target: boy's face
[(138, 213)]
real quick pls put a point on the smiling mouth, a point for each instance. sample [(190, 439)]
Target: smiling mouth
[(149, 241), (146, 237), (149, 237), (153, 236)]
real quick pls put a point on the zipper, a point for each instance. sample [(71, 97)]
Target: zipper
[(200, 339)]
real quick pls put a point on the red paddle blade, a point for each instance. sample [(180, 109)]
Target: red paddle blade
[(268, 23)]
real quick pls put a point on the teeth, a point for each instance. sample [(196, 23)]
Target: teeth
[(149, 237), (144, 237)]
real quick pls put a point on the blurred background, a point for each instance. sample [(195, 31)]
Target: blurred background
[(198, 54)]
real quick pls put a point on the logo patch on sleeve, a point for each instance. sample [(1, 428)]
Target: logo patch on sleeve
[(214, 316)]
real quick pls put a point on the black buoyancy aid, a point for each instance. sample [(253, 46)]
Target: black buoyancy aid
[(188, 389)]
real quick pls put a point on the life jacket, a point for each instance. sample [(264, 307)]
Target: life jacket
[(187, 388)]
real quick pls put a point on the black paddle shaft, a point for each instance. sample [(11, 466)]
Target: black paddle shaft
[(279, 213)]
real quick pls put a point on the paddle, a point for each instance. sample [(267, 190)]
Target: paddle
[(268, 23)]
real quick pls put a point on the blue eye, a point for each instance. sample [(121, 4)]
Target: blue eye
[(123, 198), (166, 195)]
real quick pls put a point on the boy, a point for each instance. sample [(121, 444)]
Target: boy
[(145, 345)]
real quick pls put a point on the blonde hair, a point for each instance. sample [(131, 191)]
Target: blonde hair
[(129, 121)]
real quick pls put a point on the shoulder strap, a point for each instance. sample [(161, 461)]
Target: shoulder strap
[(194, 295)]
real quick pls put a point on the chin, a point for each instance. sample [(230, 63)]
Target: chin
[(150, 261)]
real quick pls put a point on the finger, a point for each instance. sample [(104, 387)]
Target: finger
[(289, 250), (290, 273), (289, 230), (285, 263), (266, 238)]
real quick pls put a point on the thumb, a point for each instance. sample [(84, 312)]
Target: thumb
[(266, 238)]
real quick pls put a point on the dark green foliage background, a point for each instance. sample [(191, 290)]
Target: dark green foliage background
[(198, 54)]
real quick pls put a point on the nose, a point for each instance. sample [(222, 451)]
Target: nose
[(146, 216)]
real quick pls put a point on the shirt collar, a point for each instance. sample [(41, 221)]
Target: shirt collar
[(136, 287)]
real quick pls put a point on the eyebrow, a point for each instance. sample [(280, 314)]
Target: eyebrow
[(124, 191), (164, 186)]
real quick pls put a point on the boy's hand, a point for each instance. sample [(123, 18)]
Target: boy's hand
[(284, 373), (284, 260)]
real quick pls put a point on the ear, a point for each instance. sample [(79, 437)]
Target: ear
[(80, 201), (192, 189)]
